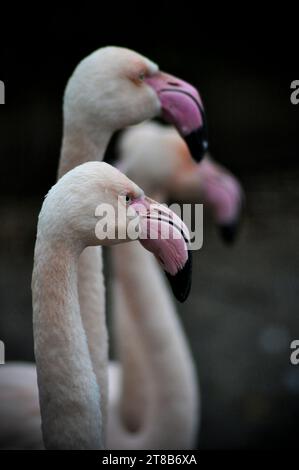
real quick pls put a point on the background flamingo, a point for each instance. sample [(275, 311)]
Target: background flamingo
[(158, 158)]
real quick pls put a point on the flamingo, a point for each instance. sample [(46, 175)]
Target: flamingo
[(111, 89), (156, 157), (68, 389)]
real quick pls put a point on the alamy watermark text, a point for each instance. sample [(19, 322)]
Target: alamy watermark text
[(295, 94), (2, 92), (2, 353)]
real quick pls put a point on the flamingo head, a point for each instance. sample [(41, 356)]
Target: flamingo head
[(95, 204), (116, 87)]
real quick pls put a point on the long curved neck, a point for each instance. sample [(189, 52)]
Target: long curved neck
[(151, 330), (69, 393), (79, 145)]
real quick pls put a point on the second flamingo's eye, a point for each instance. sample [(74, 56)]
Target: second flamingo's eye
[(141, 76), (128, 199)]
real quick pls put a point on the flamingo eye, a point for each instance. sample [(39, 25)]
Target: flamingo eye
[(141, 76), (128, 198)]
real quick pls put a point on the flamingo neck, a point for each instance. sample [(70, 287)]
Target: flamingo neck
[(68, 389), (165, 374), (84, 142), (80, 145)]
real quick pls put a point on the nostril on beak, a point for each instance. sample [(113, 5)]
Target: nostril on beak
[(173, 83)]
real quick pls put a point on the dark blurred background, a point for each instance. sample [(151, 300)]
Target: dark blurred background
[(243, 310)]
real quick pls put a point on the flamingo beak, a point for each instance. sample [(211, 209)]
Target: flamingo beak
[(165, 235), (229, 227), (229, 231), (182, 107), (222, 192)]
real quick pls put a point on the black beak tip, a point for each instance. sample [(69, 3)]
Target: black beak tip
[(229, 232), (197, 143), (181, 282)]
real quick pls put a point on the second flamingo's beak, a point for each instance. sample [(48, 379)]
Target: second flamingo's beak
[(222, 192), (182, 107), (164, 234)]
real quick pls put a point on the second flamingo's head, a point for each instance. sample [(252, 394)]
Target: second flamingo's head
[(95, 204), (115, 87), (158, 159)]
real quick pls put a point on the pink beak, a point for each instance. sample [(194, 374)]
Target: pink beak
[(222, 192), (182, 107), (165, 235)]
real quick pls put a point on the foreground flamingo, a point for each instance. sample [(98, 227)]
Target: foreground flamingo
[(111, 89), (68, 389)]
